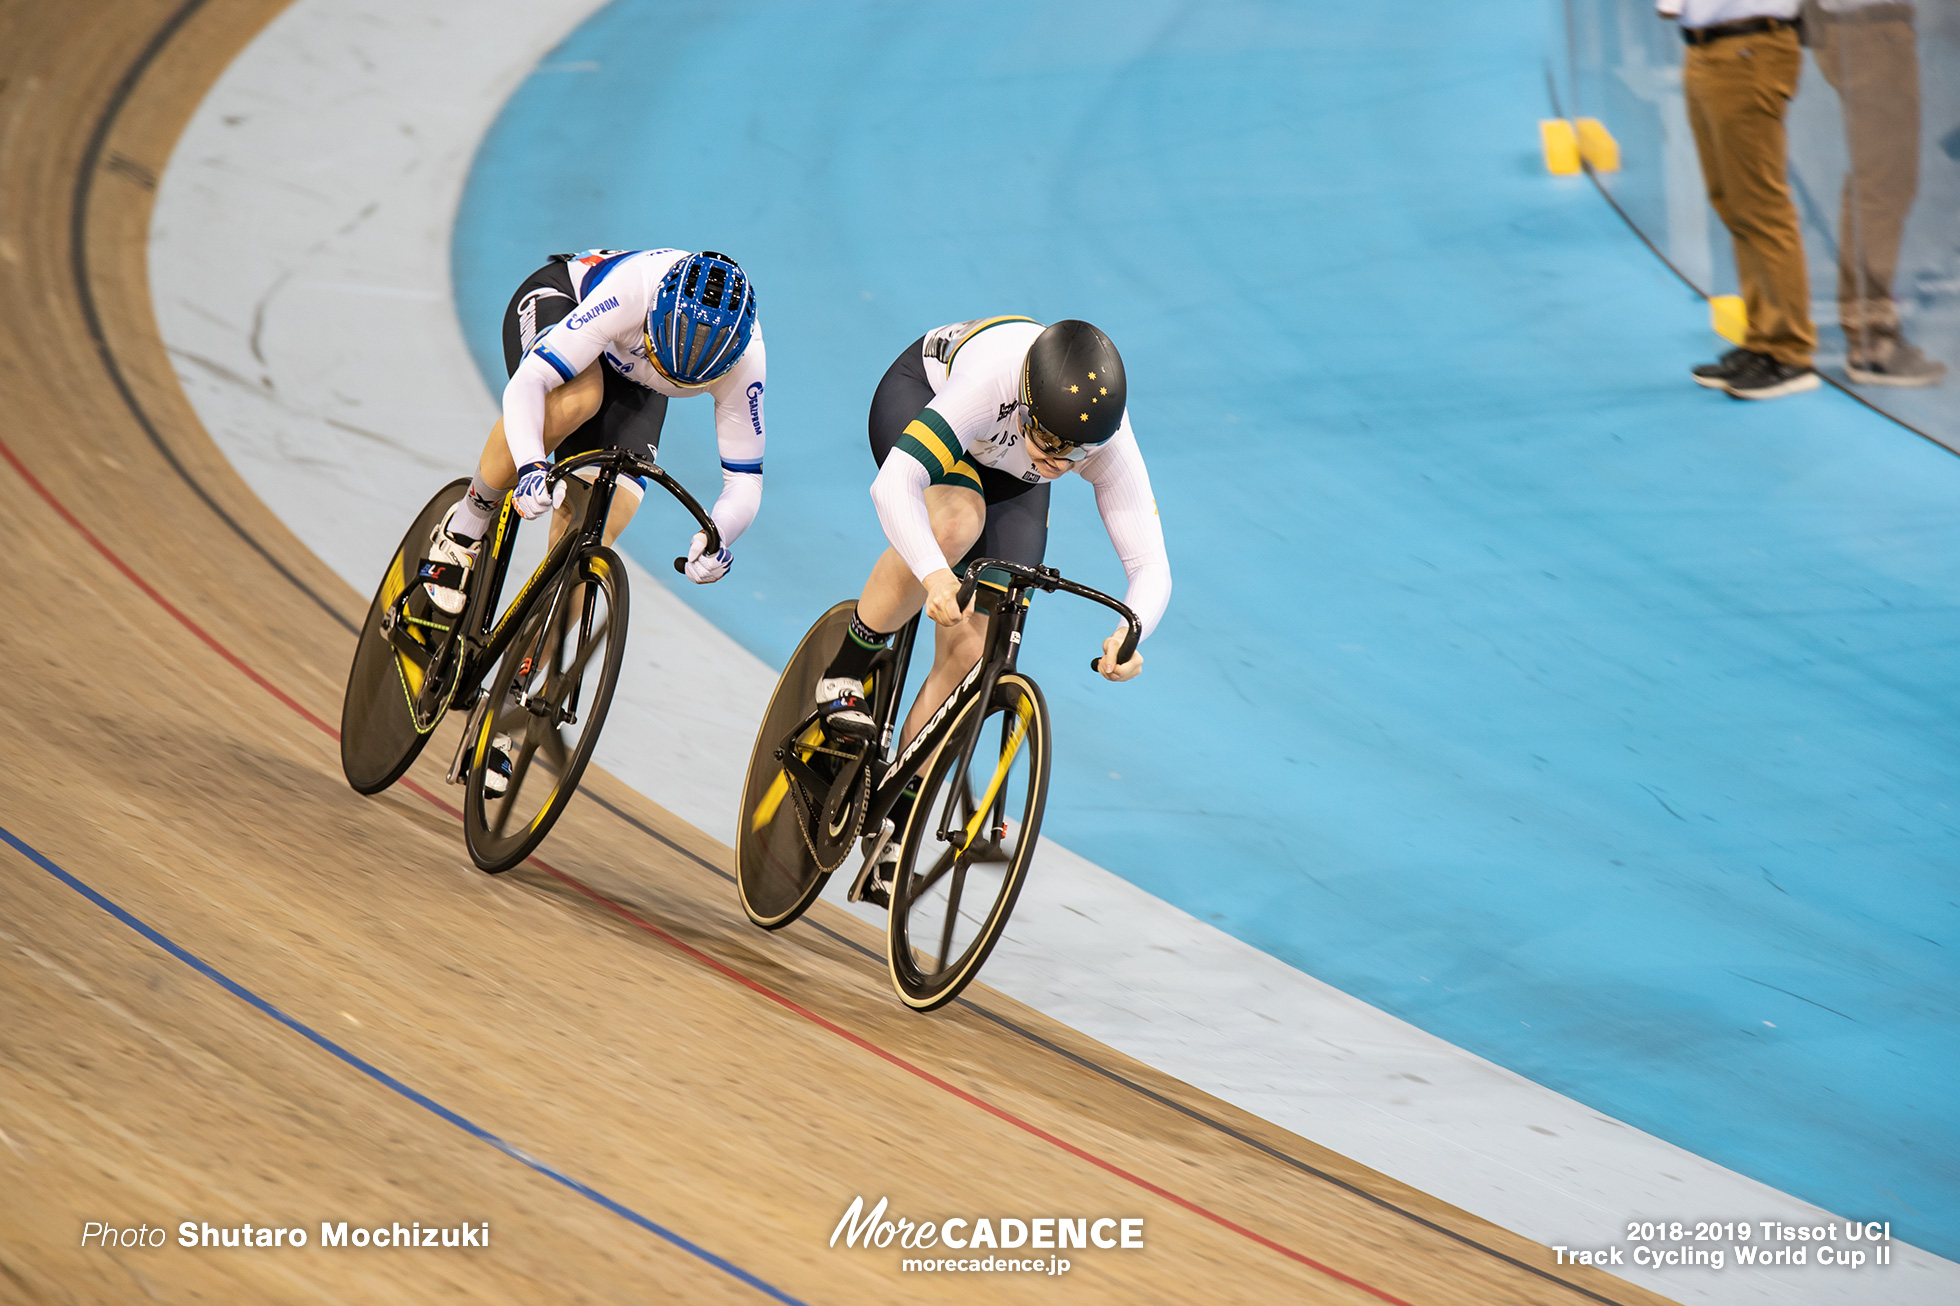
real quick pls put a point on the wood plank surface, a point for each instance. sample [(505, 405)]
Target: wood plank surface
[(610, 1015)]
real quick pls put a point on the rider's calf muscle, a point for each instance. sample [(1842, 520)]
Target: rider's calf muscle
[(955, 650)]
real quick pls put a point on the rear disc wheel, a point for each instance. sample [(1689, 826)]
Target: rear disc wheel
[(391, 707), (787, 846)]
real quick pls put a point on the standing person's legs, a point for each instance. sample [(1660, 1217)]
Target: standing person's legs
[(1871, 58), (1736, 91)]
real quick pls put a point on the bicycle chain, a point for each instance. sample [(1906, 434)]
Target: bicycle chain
[(804, 820)]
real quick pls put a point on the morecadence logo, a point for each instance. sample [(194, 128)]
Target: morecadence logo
[(881, 1228)]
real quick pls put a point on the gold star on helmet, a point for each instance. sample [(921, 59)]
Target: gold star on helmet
[(1092, 376), (1072, 389), (1105, 390), (1085, 417)]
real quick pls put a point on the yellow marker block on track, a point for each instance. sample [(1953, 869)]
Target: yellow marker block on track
[(1561, 146), (1729, 317), (1597, 146)]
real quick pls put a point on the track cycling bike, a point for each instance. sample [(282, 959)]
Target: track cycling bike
[(983, 762), (556, 650)]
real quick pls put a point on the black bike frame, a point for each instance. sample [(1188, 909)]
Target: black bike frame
[(483, 644), (1000, 657)]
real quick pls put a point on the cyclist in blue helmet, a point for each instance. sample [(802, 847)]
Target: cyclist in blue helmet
[(596, 344)]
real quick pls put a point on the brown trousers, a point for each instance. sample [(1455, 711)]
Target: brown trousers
[(1736, 91), (1871, 58)]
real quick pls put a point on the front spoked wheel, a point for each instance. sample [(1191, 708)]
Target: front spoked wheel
[(404, 668), (550, 696), (953, 895)]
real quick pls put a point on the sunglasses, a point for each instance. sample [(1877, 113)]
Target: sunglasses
[(1048, 445)]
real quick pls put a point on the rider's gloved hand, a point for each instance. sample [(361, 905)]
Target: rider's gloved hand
[(711, 568), (1108, 668), (943, 598), (535, 495)]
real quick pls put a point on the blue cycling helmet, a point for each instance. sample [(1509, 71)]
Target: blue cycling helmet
[(701, 320)]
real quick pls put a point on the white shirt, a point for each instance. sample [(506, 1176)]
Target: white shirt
[(976, 417), (615, 292), (1714, 13)]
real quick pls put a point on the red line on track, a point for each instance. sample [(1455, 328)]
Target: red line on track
[(61, 510), (687, 949)]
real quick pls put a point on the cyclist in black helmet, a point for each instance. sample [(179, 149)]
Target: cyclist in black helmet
[(969, 426)]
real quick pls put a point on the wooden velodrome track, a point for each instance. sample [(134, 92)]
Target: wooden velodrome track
[(173, 666)]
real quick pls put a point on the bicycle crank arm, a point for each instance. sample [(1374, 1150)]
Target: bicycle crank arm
[(874, 849), (459, 766)]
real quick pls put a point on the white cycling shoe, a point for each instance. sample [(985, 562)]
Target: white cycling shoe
[(453, 555), (496, 771), (841, 701)]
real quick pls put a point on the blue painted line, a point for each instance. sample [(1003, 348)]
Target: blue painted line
[(381, 1076)]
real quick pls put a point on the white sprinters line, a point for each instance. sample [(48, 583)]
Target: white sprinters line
[(300, 268)]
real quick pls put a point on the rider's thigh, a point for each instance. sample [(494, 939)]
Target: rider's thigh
[(572, 405), (958, 516)]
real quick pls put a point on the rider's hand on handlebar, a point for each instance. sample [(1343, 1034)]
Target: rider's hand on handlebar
[(943, 598), (1108, 669), (711, 568), (535, 494)]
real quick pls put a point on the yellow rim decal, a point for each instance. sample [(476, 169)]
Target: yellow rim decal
[(1009, 751), (772, 798), (396, 582)]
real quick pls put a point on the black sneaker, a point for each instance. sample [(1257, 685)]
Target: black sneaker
[(1762, 377), (840, 699), (1716, 375), (1901, 365)]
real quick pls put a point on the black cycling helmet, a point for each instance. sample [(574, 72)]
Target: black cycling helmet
[(1072, 384)]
